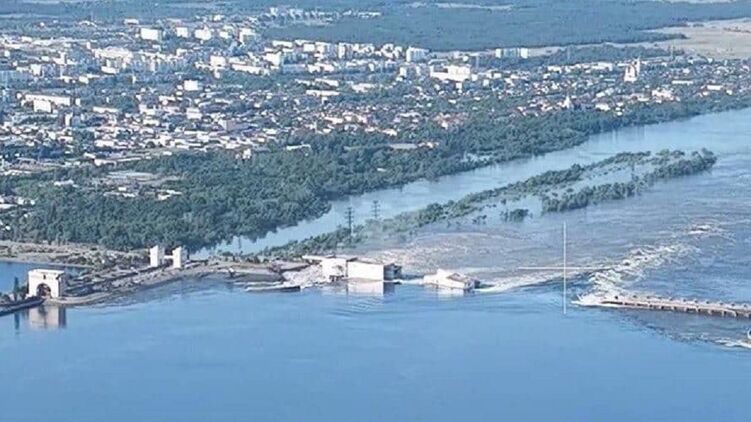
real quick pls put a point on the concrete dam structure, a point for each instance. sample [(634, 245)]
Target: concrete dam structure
[(656, 303)]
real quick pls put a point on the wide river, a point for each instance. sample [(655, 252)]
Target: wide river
[(199, 351)]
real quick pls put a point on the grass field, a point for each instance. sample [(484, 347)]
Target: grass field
[(718, 39)]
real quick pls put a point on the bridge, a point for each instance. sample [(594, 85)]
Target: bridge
[(656, 303)]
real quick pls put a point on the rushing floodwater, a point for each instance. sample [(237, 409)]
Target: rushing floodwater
[(197, 351)]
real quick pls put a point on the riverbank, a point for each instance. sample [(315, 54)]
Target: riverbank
[(13, 306), (500, 353), (419, 194), (67, 254), (101, 276)]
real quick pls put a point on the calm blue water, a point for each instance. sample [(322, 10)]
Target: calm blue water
[(10, 270), (198, 351), (228, 356)]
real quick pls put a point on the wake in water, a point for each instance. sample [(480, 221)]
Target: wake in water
[(735, 343)]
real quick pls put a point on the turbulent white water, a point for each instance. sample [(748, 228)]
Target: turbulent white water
[(308, 277)]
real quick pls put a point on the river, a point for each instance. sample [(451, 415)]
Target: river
[(201, 351)]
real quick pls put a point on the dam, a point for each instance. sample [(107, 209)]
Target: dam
[(657, 303)]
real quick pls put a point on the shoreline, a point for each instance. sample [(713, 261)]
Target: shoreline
[(30, 260), (69, 255)]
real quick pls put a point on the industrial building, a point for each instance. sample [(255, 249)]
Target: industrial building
[(353, 268)]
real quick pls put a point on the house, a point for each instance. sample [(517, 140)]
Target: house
[(336, 268)]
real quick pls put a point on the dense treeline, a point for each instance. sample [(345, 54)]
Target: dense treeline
[(521, 23), (514, 23), (223, 196), (696, 163)]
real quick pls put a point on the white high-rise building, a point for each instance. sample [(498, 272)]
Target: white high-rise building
[(192, 85), (151, 34), (415, 54), (179, 257), (203, 34)]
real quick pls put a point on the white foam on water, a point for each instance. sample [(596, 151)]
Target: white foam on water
[(712, 229), (502, 284), (307, 277), (416, 281), (427, 253), (622, 276), (734, 343), (637, 262)]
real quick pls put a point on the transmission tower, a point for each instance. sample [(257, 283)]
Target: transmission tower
[(350, 219), (376, 210)]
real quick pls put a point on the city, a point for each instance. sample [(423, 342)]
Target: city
[(414, 198)]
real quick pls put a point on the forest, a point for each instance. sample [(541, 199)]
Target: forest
[(529, 23), (435, 24), (589, 195)]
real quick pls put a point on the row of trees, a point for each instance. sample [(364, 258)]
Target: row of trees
[(696, 163)]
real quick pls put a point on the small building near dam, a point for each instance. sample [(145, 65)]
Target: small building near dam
[(47, 283), (443, 279)]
